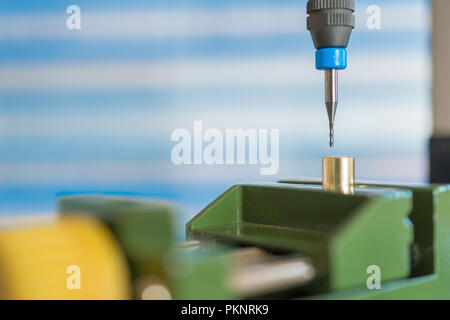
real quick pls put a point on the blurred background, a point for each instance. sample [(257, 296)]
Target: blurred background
[(92, 110)]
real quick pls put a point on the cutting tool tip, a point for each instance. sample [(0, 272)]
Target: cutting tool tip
[(331, 135)]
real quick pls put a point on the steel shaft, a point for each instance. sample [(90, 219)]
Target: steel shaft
[(331, 98)]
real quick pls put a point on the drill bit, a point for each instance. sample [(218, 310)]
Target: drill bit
[(331, 135), (331, 98)]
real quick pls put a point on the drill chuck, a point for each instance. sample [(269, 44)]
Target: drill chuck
[(330, 22)]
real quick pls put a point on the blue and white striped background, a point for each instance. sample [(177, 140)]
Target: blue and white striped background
[(93, 109)]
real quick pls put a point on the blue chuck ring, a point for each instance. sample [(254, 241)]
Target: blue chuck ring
[(331, 58)]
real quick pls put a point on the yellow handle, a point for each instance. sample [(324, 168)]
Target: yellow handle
[(72, 258)]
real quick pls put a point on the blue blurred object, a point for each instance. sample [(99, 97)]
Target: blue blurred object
[(331, 58)]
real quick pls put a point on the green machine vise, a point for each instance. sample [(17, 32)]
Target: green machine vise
[(404, 230), (145, 229)]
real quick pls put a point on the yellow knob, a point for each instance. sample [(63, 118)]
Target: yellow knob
[(72, 258)]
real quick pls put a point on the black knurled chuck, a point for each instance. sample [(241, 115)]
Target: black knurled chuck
[(330, 22)]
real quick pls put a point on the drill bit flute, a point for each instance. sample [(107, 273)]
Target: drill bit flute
[(330, 23), (331, 98)]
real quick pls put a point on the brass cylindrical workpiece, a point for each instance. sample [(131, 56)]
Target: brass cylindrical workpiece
[(338, 174)]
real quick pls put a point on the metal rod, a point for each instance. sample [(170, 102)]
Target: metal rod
[(188, 246), (263, 278), (243, 256)]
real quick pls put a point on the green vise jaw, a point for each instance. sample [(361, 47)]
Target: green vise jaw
[(145, 229), (199, 275), (343, 234), (430, 270)]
